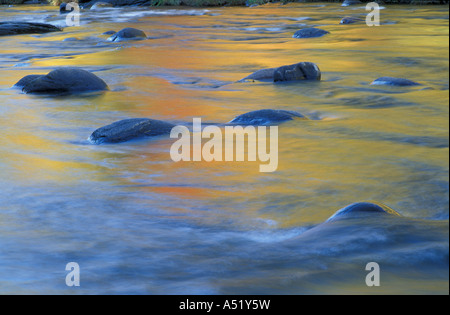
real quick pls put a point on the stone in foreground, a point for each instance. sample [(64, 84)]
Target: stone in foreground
[(363, 208), (19, 28), (394, 81), (130, 129)]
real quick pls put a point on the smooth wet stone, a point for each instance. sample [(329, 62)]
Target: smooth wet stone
[(363, 208), (347, 3), (101, 5), (109, 33), (299, 71), (394, 81), (310, 32), (27, 79), (17, 28), (350, 20), (63, 9), (130, 129), (128, 34), (63, 81), (266, 117)]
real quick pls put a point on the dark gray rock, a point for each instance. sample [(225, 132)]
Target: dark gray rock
[(299, 71), (128, 34), (310, 32), (347, 3), (27, 79), (350, 20), (266, 117), (109, 33), (130, 129), (363, 208), (394, 81), (101, 5), (260, 75), (63, 81), (17, 28)]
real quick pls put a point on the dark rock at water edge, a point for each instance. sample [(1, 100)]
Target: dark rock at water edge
[(63, 81), (296, 72), (27, 79), (266, 117), (17, 28), (347, 3), (394, 81), (361, 208), (130, 129), (128, 34), (350, 20), (310, 32)]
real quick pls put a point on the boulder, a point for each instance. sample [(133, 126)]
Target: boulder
[(298, 71), (128, 34), (394, 81), (310, 32), (266, 117), (62, 81), (129, 129), (17, 28), (363, 208)]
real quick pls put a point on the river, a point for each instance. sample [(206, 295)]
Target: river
[(138, 223)]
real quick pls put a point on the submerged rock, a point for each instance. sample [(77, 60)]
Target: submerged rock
[(350, 20), (128, 34), (394, 81), (363, 208), (62, 81), (130, 129), (17, 28), (266, 117), (101, 5), (310, 32), (347, 3), (109, 33), (298, 71)]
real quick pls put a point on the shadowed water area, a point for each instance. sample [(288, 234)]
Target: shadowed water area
[(139, 223)]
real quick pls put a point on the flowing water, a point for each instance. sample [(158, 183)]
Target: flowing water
[(137, 222)]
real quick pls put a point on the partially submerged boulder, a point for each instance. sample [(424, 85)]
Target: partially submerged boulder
[(363, 208), (18, 28), (62, 81), (129, 129), (298, 71), (310, 32), (394, 81), (128, 33), (266, 117)]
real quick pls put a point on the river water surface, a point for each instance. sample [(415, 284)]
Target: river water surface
[(138, 223)]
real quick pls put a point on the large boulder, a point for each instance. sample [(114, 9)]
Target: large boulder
[(298, 71), (266, 117), (394, 81), (17, 28), (310, 32), (129, 129), (64, 80), (362, 208), (128, 33)]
